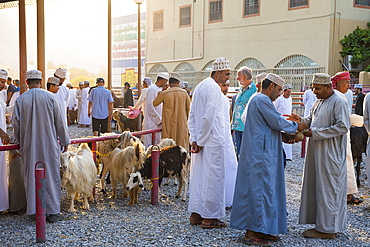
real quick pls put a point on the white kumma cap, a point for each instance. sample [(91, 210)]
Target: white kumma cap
[(34, 74), (276, 79), (164, 75), (220, 64), (53, 80), (3, 74), (61, 73)]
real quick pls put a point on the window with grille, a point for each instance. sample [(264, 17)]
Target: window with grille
[(298, 3), (251, 7), (185, 16), (362, 3), (215, 10), (158, 20)]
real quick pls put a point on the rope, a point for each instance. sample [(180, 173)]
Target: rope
[(150, 184), (102, 154)]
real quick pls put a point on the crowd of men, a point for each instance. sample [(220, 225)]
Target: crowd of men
[(227, 171)]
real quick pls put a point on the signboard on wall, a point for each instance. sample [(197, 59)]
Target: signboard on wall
[(129, 76)]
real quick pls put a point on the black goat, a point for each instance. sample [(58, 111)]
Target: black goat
[(358, 146)]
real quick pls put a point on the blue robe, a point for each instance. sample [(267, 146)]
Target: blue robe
[(259, 199)]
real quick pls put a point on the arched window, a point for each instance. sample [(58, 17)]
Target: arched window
[(188, 73), (295, 61), (297, 70), (251, 63), (184, 67), (158, 68), (208, 66)]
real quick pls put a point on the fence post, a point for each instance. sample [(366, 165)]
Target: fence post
[(155, 165), (153, 139), (40, 204), (303, 148), (93, 147)]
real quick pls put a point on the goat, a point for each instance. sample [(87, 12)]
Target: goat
[(124, 122), (78, 174), (107, 149), (123, 163), (358, 146), (165, 142), (173, 160)]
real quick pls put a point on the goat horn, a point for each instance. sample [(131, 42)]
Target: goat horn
[(74, 154)]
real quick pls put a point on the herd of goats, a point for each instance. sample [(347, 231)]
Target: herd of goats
[(128, 163)]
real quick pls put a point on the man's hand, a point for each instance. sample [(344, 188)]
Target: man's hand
[(308, 133), (89, 114), (195, 148), (292, 117), (301, 126), (64, 148), (165, 87), (110, 118), (4, 137)]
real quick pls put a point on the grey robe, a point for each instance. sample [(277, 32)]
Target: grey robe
[(324, 187), (38, 120)]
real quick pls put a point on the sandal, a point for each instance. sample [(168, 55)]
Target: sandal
[(196, 221), (256, 242), (353, 201), (213, 224), (268, 237)]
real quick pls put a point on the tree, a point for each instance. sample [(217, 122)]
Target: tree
[(357, 44)]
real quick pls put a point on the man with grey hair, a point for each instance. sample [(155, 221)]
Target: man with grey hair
[(247, 89)]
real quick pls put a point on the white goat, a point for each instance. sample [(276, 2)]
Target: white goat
[(78, 174), (123, 163)]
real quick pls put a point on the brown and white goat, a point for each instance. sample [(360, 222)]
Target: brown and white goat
[(124, 162), (78, 174)]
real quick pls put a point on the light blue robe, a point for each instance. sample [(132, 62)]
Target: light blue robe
[(259, 200)]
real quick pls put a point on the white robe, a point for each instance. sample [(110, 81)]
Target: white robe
[(207, 172), (349, 96), (284, 106), (231, 163), (83, 106), (73, 102), (309, 99), (4, 193), (351, 177), (153, 116), (38, 121), (367, 127), (63, 99), (324, 186), (141, 101)]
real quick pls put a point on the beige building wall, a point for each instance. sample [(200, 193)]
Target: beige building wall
[(269, 37)]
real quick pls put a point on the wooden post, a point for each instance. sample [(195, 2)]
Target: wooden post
[(41, 40), (138, 52), (22, 46)]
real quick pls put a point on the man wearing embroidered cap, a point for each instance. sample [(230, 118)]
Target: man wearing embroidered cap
[(53, 85), (324, 187), (38, 122), (153, 114), (4, 197), (147, 82), (63, 92), (83, 105), (283, 105), (176, 107), (207, 137), (259, 201)]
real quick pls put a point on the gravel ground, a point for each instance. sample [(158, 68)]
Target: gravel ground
[(111, 222)]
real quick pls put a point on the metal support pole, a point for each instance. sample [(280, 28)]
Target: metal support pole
[(153, 139), (109, 52), (41, 40), (22, 46), (303, 148), (138, 52), (155, 166), (40, 204)]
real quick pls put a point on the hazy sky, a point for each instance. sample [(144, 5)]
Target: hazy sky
[(76, 32)]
